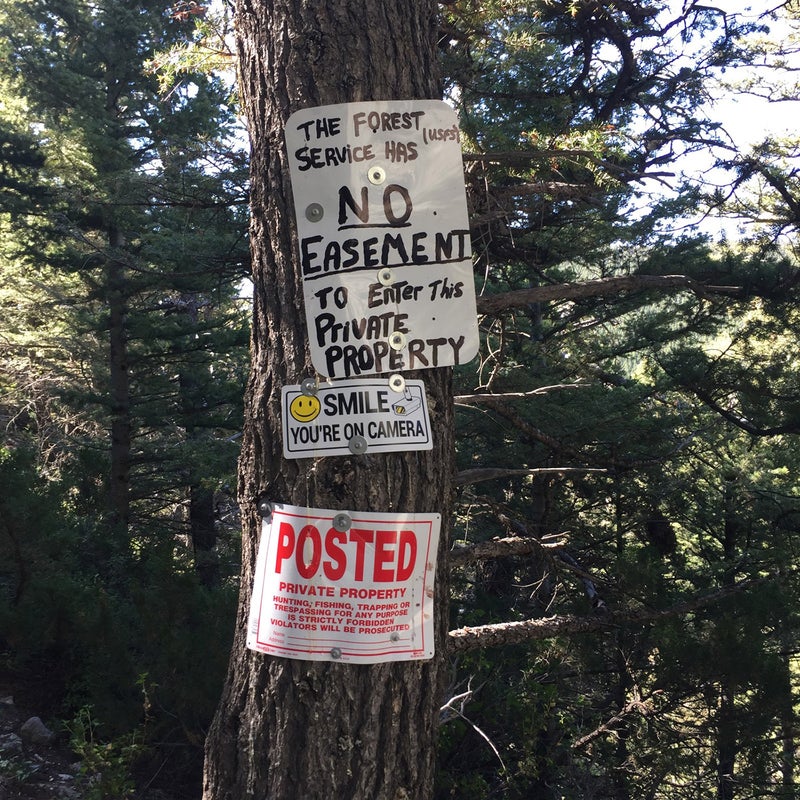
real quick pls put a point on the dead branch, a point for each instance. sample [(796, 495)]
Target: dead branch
[(467, 477), (535, 434), (524, 157), (601, 287), (499, 548), (503, 633)]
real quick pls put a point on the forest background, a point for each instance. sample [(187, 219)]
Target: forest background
[(625, 440)]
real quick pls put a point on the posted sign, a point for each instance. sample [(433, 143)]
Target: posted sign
[(364, 411), (355, 588), (385, 252)]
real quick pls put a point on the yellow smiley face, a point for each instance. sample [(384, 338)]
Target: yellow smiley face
[(304, 408)]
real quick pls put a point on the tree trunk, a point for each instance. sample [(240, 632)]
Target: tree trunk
[(727, 736), (202, 517), (288, 729), (120, 471), (727, 743), (203, 534), (787, 764)]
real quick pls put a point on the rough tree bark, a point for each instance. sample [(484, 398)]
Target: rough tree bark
[(288, 729)]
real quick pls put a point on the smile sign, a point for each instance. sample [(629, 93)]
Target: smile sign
[(384, 245), (355, 417)]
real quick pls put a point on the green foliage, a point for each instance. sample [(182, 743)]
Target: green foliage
[(672, 414), (659, 426), (20, 159), (107, 766), (137, 378), (95, 613), (207, 47), (17, 768), (124, 260)]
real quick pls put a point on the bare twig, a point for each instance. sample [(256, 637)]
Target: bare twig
[(449, 711), (644, 707), (481, 397)]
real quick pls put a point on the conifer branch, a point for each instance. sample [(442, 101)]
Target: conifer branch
[(601, 287), (468, 477), (523, 631)]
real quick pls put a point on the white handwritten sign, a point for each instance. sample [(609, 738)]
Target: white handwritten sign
[(355, 588), (385, 252), (360, 415)]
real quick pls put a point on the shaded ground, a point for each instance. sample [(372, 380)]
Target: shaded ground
[(46, 768), (34, 767)]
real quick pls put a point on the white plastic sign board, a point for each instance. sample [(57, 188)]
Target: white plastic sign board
[(384, 245), (357, 416), (359, 592)]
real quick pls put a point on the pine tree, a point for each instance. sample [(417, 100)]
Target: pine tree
[(145, 224)]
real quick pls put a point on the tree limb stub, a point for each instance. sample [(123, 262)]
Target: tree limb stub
[(493, 304), (503, 633), (498, 548)]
